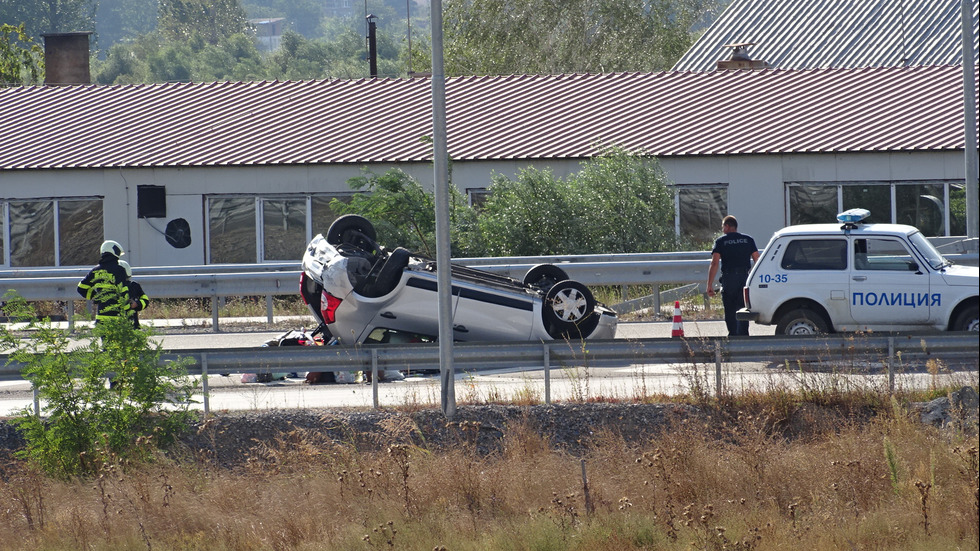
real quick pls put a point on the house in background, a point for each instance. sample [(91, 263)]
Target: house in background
[(268, 32), (819, 34), (243, 172)]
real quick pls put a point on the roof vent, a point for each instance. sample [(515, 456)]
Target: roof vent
[(66, 58), (740, 58)]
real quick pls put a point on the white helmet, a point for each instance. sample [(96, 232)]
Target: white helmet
[(127, 267), (112, 247)]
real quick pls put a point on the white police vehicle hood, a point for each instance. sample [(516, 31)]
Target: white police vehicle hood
[(961, 275)]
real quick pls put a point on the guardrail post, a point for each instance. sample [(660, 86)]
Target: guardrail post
[(547, 375), (37, 401), (70, 315), (204, 383), (718, 369), (214, 313), (268, 308), (891, 365), (374, 377)]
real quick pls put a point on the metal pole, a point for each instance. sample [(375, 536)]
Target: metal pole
[(374, 378), (891, 365), (969, 120), (204, 384), (440, 161), (718, 369), (547, 374)]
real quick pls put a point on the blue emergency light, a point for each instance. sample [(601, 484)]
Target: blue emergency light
[(853, 216)]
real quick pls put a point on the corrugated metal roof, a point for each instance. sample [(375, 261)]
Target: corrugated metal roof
[(814, 34), (505, 117)]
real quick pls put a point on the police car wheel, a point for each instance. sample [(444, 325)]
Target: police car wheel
[(802, 321), (968, 320)]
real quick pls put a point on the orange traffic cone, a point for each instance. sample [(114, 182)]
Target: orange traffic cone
[(678, 330)]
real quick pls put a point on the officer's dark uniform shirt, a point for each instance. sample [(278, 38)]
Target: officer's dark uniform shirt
[(106, 286), (736, 254)]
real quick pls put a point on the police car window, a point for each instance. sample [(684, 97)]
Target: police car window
[(882, 254), (815, 254)]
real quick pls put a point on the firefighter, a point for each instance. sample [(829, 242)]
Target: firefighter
[(105, 284), (138, 300)]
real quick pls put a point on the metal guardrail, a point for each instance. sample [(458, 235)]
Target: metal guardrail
[(225, 280), (884, 349)]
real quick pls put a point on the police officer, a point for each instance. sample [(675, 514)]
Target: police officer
[(736, 252), (105, 284), (138, 301)]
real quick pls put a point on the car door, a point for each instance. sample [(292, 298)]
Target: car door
[(888, 286)]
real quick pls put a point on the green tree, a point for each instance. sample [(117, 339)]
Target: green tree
[(21, 60), (49, 16), (201, 20), (117, 20), (619, 203), (403, 211), (85, 424), (493, 37)]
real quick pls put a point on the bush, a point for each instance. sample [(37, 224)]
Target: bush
[(85, 423), (618, 203)]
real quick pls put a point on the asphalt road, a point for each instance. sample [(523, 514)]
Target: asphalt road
[(639, 330), (530, 384)]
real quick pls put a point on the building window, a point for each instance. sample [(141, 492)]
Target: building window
[(50, 232), (283, 228), (936, 208), (323, 213), (79, 231), (252, 229), (231, 230), (477, 196), (698, 211)]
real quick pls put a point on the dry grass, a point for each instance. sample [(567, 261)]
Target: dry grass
[(730, 482)]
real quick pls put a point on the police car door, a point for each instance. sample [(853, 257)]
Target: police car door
[(888, 286)]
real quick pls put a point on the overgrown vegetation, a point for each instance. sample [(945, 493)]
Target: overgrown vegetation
[(744, 476), (102, 403), (619, 202)]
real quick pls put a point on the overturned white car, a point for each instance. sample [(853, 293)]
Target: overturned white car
[(361, 292)]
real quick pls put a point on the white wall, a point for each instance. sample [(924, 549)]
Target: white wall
[(756, 190)]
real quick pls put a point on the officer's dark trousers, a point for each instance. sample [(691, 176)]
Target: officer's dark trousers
[(733, 299)]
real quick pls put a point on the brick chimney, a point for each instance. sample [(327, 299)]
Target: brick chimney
[(740, 58), (66, 58)]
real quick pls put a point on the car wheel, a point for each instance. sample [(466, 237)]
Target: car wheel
[(968, 320), (802, 321), (569, 310), (346, 229), (390, 273), (544, 276)]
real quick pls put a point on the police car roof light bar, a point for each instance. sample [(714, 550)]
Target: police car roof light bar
[(852, 217)]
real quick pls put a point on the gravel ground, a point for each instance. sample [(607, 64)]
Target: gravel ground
[(230, 439)]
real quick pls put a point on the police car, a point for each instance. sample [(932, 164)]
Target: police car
[(853, 276)]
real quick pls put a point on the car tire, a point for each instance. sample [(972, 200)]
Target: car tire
[(569, 310), (544, 276), (340, 230), (391, 272), (968, 320), (801, 321)]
